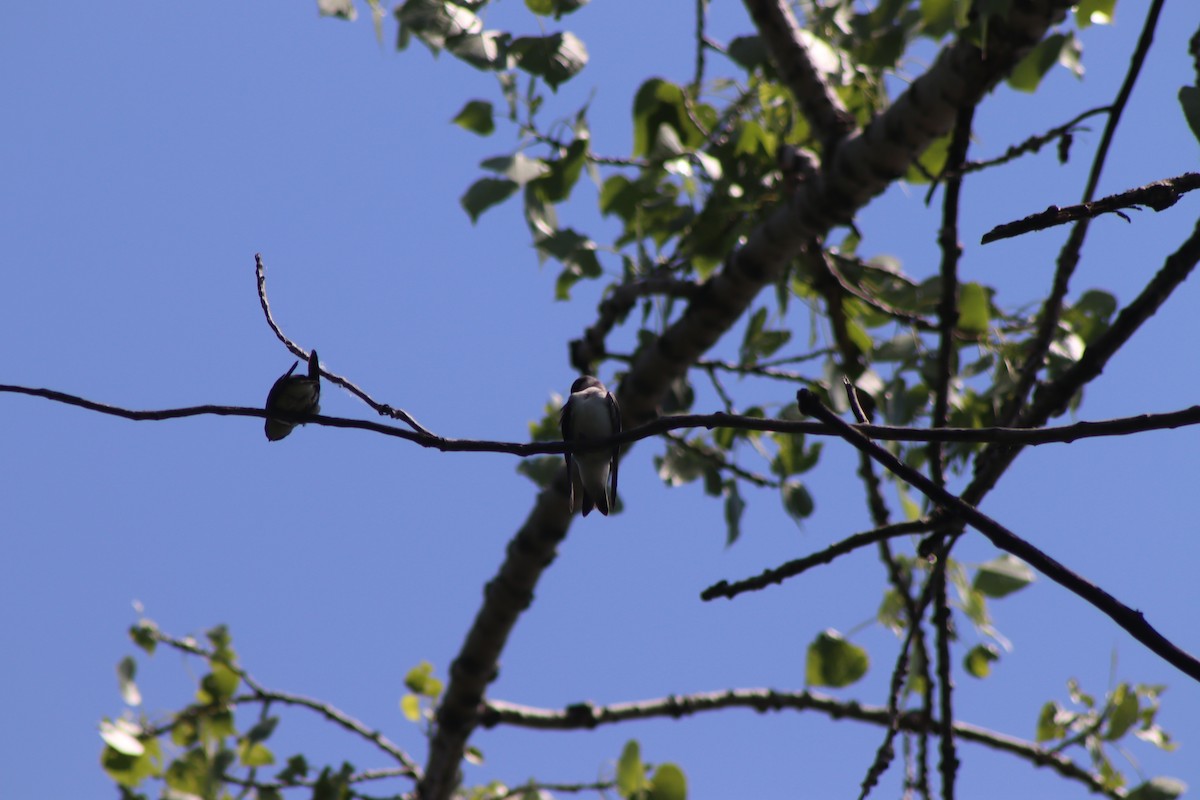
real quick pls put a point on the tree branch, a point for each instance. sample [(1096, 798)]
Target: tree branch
[(1061, 434), (863, 166), (780, 32), (586, 716), (1159, 196), (1132, 621)]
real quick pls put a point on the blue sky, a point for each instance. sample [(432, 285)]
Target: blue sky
[(150, 150)]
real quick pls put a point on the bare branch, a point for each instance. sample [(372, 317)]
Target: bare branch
[(1132, 621), (1159, 196), (1034, 143), (586, 716), (794, 568), (260, 272)]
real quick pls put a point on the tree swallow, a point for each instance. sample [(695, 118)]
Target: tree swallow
[(294, 394), (591, 413)]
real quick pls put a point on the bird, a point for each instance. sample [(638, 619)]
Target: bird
[(591, 413), (293, 394)]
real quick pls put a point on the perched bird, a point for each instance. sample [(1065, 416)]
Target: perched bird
[(591, 413), (294, 394)]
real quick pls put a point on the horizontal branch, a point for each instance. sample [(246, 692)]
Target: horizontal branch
[(1134, 622), (585, 716), (1159, 196), (1062, 434)]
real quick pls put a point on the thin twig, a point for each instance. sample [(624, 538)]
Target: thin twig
[(1034, 143), (793, 568), (383, 409)]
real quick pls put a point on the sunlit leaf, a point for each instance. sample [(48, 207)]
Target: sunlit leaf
[(1158, 789), (1124, 714), (668, 783), (476, 116), (974, 312), (1094, 12), (978, 660), (832, 661), (1003, 576), (631, 772)]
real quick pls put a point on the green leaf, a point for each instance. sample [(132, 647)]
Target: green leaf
[(734, 506), (759, 341), (1124, 714), (660, 104), (631, 772), (262, 730), (296, 769), (974, 313), (978, 660), (797, 501), (1028, 73), (564, 172), (559, 8), (485, 193), (939, 16), (679, 465), (410, 706), (122, 736), (420, 680), (668, 783), (143, 634), (1050, 724), (1002, 576), (555, 58), (1158, 789), (218, 686), (748, 52), (1189, 99), (832, 661), (434, 22), (476, 116), (1094, 12), (519, 168), (126, 670), (130, 770), (255, 754)]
